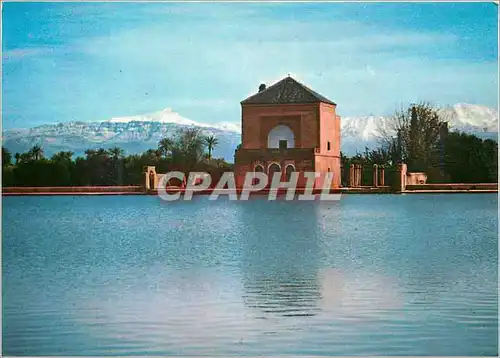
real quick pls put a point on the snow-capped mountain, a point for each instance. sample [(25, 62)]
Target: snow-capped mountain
[(361, 132), (169, 116), (471, 118), (136, 134)]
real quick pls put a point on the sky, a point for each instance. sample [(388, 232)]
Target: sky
[(94, 61)]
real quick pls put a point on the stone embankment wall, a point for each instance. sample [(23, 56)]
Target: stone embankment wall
[(73, 189)]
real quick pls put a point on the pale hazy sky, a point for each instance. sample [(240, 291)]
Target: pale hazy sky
[(94, 61)]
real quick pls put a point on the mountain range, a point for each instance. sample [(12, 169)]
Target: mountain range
[(136, 134)]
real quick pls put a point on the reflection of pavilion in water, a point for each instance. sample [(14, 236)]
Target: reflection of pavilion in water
[(286, 272), (280, 264)]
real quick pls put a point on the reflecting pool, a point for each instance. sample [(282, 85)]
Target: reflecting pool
[(134, 275)]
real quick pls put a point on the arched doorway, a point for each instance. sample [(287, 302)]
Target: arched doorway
[(289, 169), (271, 169), (281, 137), (258, 169)]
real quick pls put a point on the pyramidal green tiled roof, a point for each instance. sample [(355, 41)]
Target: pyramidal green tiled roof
[(288, 90)]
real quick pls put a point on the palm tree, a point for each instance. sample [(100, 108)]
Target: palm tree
[(154, 154), (116, 153), (211, 142), (165, 146), (62, 156), (18, 157), (90, 153), (36, 152), (158, 154), (68, 154)]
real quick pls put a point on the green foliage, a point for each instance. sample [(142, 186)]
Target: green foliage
[(469, 159), (116, 153), (165, 147), (6, 157), (62, 157), (185, 152), (8, 178), (188, 149), (418, 130), (422, 142), (36, 152), (456, 158), (380, 156), (211, 143)]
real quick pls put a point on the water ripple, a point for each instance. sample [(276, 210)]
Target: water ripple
[(370, 275)]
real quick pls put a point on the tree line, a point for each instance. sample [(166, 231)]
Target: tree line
[(188, 150), (418, 136)]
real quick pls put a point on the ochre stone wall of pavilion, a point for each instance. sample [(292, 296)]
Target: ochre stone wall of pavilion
[(258, 120), (314, 125), (329, 160)]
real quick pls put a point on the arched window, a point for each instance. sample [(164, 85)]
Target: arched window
[(328, 146), (259, 168), (281, 137)]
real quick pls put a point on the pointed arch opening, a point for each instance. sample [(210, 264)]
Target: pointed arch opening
[(271, 169), (289, 169), (257, 169)]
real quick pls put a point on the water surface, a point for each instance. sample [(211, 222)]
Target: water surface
[(132, 275)]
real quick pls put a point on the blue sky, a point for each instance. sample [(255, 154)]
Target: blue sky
[(94, 61)]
